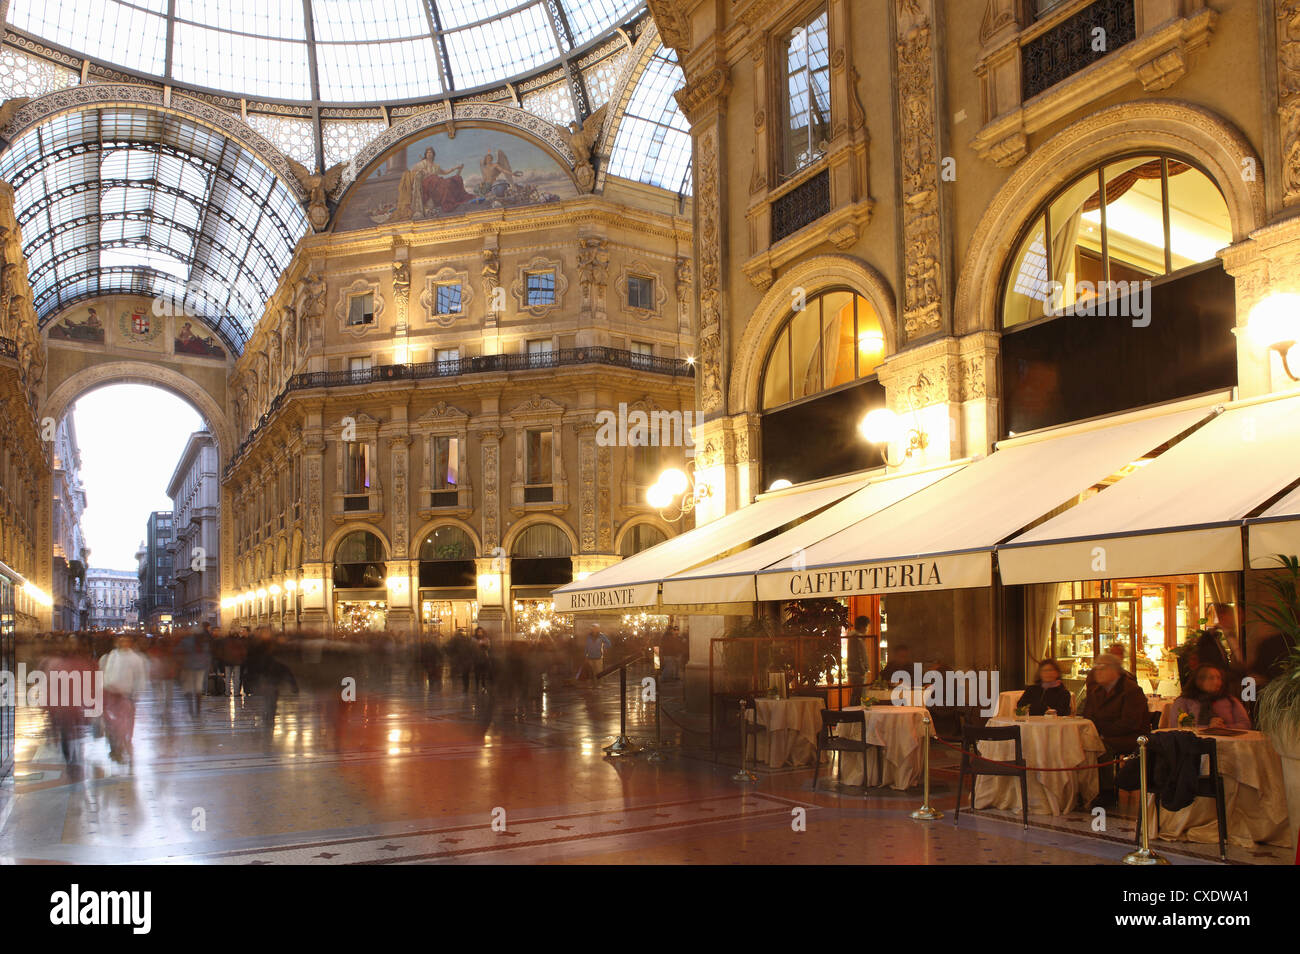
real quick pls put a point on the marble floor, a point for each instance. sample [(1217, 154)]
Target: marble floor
[(409, 774)]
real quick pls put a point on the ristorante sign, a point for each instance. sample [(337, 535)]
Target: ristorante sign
[(898, 576), (607, 598)]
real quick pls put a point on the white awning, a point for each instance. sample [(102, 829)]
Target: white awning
[(635, 581), (1181, 513), (1276, 530), (942, 537), (731, 579)]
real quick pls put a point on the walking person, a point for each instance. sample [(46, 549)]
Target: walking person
[(482, 659), (126, 674), (594, 653), (195, 661)]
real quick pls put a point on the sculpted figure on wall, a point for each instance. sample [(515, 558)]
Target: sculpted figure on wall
[(582, 141)]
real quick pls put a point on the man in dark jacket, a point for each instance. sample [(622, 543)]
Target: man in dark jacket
[(1118, 708)]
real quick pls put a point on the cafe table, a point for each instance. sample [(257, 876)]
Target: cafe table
[(1254, 796), (901, 731), (791, 730), (1050, 742), (1007, 703), (912, 696)]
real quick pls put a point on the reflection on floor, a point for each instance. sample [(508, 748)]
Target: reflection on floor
[(418, 775)]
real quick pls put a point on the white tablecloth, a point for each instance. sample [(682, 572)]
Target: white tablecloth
[(792, 726), (1007, 703), (901, 731), (1049, 742), (1254, 797), (913, 697)]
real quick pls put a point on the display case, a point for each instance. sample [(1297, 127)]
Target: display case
[(1084, 628)]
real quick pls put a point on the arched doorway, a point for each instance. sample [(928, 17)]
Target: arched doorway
[(359, 573), (448, 591)]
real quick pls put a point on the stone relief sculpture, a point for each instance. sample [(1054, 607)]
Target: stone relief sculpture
[(581, 138), (318, 185), (1288, 91)]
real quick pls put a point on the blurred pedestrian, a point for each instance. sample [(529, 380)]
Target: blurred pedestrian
[(126, 674)]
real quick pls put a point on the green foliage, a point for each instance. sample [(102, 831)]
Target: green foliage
[(1279, 703)]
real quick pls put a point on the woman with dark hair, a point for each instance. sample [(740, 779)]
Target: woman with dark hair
[(1047, 693), (1206, 702)]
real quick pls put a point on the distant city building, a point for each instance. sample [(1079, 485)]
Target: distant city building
[(196, 507), (112, 596), (154, 572), (71, 609)]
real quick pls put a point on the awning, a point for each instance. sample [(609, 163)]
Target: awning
[(1181, 513), (942, 537), (731, 579), (1276, 530), (635, 581)]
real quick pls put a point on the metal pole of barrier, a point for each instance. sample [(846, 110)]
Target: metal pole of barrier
[(1144, 855), (622, 745), (926, 812), (744, 775), (657, 754)]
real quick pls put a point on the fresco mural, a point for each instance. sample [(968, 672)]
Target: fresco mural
[(435, 177), (83, 325), (192, 340)]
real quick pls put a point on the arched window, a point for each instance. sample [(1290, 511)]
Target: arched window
[(1130, 219), (447, 558), (542, 541), (359, 561), (835, 340), (643, 536)]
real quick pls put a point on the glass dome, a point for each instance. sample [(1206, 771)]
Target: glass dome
[(325, 51)]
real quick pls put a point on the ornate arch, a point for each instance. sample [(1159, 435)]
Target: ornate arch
[(515, 532), (813, 275), (144, 372), (97, 95), (333, 542), (1201, 135), (639, 56), (649, 520), (418, 538)]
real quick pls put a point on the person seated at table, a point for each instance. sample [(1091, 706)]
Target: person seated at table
[(1047, 693), (1117, 706), (1205, 700)]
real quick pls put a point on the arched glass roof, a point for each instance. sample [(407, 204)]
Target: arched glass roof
[(326, 51), (128, 200), (653, 142)]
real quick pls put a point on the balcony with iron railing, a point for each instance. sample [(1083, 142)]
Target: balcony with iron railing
[(457, 367)]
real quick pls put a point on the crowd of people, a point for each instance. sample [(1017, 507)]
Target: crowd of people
[(256, 666)]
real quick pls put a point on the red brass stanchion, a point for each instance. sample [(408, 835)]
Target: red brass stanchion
[(926, 812), (744, 775), (1144, 855)]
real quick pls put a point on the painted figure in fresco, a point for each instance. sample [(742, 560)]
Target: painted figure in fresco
[(428, 190), (90, 329), (187, 342)]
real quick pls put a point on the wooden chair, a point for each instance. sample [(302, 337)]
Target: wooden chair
[(829, 741), (1155, 719), (752, 727), (1207, 786), (971, 736)]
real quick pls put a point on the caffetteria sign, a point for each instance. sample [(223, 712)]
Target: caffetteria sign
[(926, 573)]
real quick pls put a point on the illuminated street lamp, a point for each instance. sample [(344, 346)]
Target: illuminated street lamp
[(677, 489), (1274, 325)]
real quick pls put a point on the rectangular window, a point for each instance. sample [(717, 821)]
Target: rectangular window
[(645, 465), (537, 457), (361, 309), (446, 299), (446, 463), (356, 467), (642, 354), (539, 288), (447, 359), (807, 72), (541, 353), (640, 292)]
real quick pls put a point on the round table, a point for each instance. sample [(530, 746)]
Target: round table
[(900, 730), (1048, 742), (913, 696), (1254, 796), (792, 726)]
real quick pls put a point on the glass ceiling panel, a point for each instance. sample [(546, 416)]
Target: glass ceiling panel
[(365, 51), (277, 69), (174, 205), (509, 45), (653, 143)]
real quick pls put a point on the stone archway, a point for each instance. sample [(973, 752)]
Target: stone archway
[(67, 384)]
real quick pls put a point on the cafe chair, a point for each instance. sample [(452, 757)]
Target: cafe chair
[(1207, 786), (971, 736), (829, 741), (1155, 719), (753, 728)]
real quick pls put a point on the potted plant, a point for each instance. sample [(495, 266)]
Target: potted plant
[(1278, 711)]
